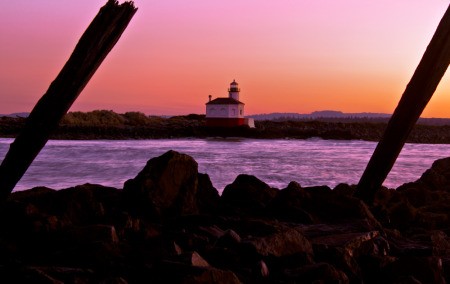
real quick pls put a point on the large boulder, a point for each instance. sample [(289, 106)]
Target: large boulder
[(249, 194), (438, 176), (167, 186), (288, 205)]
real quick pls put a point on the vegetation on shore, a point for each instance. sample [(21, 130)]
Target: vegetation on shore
[(105, 124)]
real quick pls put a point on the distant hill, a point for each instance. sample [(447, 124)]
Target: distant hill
[(318, 114), (16, 114), (339, 116)]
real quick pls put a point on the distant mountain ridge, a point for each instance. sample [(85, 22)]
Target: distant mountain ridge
[(339, 116), (318, 114), (16, 114)]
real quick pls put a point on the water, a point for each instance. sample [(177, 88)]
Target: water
[(63, 164)]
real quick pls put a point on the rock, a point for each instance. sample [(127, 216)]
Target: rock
[(286, 242), (177, 249), (80, 205), (114, 280), (438, 176), (263, 269), (327, 206), (213, 231), (417, 193), (423, 269), (401, 214), (401, 246), (431, 220), (208, 197), (94, 233), (32, 274), (211, 275), (288, 204), (95, 254), (316, 273), (249, 194), (440, 243), (190, 259), (190, 268), (343, 250), (344, 189), (36, 194), (67, 274), (229, 239), (167, 186)]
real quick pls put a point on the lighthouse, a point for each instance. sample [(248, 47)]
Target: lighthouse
[(233, 91), (228, 111)]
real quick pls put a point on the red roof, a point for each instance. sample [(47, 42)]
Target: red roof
[(224, 101)]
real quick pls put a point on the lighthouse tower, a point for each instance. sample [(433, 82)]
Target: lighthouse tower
[(233, 91), (227, 112)]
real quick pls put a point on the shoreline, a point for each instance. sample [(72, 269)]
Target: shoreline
[(102, 126)]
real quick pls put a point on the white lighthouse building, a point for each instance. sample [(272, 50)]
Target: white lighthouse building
[(227, 112)]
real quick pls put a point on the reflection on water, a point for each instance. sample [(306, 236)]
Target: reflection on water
[(63, 164)]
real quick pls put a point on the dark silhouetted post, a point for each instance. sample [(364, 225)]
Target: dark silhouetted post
[(418, 92), (92, 48)]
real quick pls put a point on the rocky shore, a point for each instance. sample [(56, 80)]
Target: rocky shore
[(169, 225), (110, 125)]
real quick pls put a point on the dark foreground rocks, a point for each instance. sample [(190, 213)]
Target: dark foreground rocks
[(169, 225)]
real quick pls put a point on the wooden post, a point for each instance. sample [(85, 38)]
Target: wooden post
[(418, 92), (92, 48)]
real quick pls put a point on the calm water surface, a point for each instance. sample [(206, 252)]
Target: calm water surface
[(63, 164)]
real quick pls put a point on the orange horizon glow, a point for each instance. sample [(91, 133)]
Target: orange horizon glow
[(290, 56)]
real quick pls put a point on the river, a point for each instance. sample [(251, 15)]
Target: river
[(66, 163)]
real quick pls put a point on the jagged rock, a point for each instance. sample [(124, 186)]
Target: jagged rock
[(248, 193), (167, 186), (440, 243), (288, 204), (286, 242), (191, 268), (401, 214), (438, 176), (229, 239), (327, 206), (208, 197), (423, 269), (213, 231), (189, 258), (316, 273), (431, 220), (263, 270), (344, 189), (342, 245), (401, 246)]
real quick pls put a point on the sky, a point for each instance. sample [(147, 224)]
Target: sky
[(287, 56)]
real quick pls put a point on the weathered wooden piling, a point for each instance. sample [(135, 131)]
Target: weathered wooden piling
[(418, 92), (90, 51)]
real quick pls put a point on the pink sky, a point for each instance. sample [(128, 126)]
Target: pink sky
[(288, 56)]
